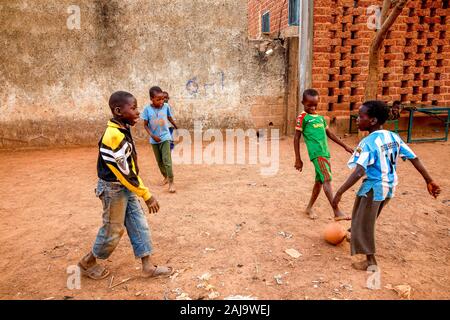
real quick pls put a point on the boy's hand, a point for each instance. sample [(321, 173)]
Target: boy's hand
[(349, 150), (156, 138), (433, 189), (299, 165), (152, 205)]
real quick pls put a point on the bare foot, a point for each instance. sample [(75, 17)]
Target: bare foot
[(311, 214), (172, 187), (339, 216), (164, 182)]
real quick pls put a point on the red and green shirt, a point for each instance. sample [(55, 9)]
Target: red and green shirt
[(313, 127)]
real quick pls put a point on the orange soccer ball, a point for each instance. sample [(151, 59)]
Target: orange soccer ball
[(334, 233)]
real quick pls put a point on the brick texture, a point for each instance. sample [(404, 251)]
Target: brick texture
[(278, 16), (414, 64), (268, 112)]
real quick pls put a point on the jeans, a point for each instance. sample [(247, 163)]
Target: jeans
[(121, 210)]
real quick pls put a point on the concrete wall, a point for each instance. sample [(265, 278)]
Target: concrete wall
[(293, 85), (55, 82)]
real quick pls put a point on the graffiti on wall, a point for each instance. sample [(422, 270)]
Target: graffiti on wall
[(196, 88)]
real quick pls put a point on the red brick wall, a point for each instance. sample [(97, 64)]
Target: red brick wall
[(414, 63), (277, 8)]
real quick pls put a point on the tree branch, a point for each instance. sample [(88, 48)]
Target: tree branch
[(400, 4), (385, 10)]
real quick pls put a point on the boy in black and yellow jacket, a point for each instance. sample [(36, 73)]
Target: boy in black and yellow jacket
[(118, 188)]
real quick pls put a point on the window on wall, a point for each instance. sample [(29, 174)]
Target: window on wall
[(265, 28), (294, 12)]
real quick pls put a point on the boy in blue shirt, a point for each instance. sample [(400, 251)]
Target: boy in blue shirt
[(376, 157), (157, 117)]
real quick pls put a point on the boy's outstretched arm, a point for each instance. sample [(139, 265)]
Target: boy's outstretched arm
[(298, 159), (172, 122), (333, 137), (432, 187), (357, 174)]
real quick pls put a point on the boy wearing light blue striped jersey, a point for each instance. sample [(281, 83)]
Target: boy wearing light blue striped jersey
[(376, 157)]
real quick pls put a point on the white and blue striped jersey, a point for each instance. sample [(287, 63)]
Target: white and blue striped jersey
[(378, 154)]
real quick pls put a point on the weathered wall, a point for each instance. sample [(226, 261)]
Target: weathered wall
[(278, 16), (55, 82), (279, 19)]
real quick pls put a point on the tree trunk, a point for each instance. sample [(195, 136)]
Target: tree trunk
[(372, 78), (377, 42)]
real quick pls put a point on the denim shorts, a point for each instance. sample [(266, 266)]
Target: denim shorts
[(121, 211)]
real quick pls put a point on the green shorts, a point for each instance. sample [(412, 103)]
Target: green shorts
[(323, 169)]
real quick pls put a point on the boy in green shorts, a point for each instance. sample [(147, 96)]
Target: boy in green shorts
[(315, 131)]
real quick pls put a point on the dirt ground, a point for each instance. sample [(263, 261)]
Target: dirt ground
[(224, 220)]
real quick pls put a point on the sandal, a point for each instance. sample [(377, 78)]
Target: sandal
[(160, 271), (96, 272)]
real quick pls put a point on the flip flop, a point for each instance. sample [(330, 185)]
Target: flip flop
[(160, 271), (361, 265), (342, 218), (96, 272)]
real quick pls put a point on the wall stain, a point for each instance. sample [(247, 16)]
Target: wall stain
[(108, 32)]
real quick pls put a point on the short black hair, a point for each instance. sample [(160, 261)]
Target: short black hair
[(165, 92), (310, 93), (377, 109), (119, 98), (154, 91), (396, 102)]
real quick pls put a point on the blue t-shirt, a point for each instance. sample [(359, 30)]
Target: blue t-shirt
[(158, 122), (378, 154)]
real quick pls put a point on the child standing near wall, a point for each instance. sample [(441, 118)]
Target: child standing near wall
[(118, 188), (376, 157), (315, 130), (157, 116)]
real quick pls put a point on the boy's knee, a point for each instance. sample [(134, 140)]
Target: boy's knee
[(167, 159), (107, 240), (115, 231)]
